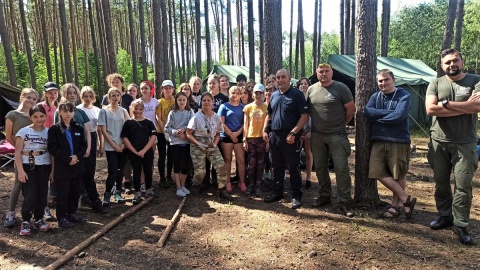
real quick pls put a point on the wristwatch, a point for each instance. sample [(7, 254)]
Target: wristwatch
[(445, 103), (292, 134)]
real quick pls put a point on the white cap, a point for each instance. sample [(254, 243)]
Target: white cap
[(258, 88), (167, 83)]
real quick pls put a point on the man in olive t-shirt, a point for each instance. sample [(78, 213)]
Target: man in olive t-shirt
[(453, 102)]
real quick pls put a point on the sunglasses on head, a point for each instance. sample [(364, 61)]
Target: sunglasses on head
[(324, 65)]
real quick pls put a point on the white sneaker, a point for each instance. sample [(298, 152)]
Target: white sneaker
[(181, 193), (9, 221), (142, 188), (25, 229), (185, 190)]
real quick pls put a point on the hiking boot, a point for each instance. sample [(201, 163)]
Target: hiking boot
[(106, 199), (9, 220), (85, 201), (66, 224), (180, 193), (185, 190), (76, 218), (41, 225), (25, 229), (150, 193), (97, 207), (137, 199), (258, 191), (163, 184), (118, 197), (142, 188), (250, 190), (320, 201), (225, 195), (47, 215), (347, 209)]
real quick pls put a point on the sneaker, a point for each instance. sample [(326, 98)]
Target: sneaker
[(47, 215), (347, 209), (97, 207), (25, 229), (242, 186), (180, 193), (150, 193), (250, 190), (142, 188), (137, 199), (9, 220), (128, 187), (106, 199), (76, 218), (85, 201), (258, 191), (224, 194), (66, 224), (320, 201), (41, 225), (186, 190), (118, 197)]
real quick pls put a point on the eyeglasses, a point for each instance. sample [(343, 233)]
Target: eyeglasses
[(324, 65)]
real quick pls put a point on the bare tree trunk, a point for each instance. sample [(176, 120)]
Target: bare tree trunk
[(319, 30), (85, 44), (315, 50), (342, 27), (216, 18), (207, 37), (182, 43), (352, 28), (261, 50), (28, 49), (188, 35), (95, 49), (55, 45), (74, 43), (365, 189), (110, 45), (346, 38), (385, 27), (143, 47), (171, 13), (448, 34), (301, 38), (459, 24), (239, 38), (273, 37), (251, 42), (230, 33), (290, 49), (165, 41), (229, 22), (241, 33), (198, 61), (132, 41), (14, 24), (297, 51), (43, 23), (158, 63), (181, 74), (102, 41), (7, 49)]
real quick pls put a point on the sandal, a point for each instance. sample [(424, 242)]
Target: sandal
[(229, 187), (391, 212), (410, 203)]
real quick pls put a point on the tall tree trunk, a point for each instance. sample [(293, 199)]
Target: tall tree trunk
[(207, 37), (448, 33), (74, 41), (351, 48), (290, 48), (85, 44), (7, 49), (132, 40), (110, 45), (315, 50), (261, 50), (230, 30), (165, 41), (28, 49), (459, 24), (181, 74), (346, 11), (171, 14), (385, 27), (251, 41), (239, 34), (95, 50), (222, 30), (216, 18), (198, 61), (43, 23), (273, 36), (297, 51), (157, 45), (14, 25), (342, 27), (102, 40), (182, 42), (189, 36), (365, 189), (55, 39), (229, 35), (301, 38), (143, 46)]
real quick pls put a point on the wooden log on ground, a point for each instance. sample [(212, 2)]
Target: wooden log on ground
[(71, 253), (173, 221)]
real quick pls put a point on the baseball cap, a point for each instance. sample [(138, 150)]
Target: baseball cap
[(258, 88), (167, 83), (50, 86)]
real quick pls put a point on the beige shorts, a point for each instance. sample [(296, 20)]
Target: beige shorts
[(389, 159)]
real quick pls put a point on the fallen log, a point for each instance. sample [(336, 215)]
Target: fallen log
[(173, 221), (71, 253)]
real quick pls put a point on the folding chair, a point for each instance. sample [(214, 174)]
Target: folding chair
[(7, 152)]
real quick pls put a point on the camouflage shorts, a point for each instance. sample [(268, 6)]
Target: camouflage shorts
[(198, 157)]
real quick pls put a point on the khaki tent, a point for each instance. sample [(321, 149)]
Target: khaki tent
[(410, 74), (10, 96)]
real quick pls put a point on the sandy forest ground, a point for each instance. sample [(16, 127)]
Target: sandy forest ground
[(250, 234)]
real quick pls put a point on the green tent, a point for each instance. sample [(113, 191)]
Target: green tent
[(410, 74), (232, 72), (9, 98)]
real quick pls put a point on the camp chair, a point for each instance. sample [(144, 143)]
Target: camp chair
[(7, 151)]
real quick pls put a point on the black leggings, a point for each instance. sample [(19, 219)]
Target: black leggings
[(35, 191), (164, 152), (116, 163), (145, 163)]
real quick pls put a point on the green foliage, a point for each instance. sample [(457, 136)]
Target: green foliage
[(330, 45)]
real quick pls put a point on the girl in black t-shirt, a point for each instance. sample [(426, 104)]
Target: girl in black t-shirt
[(139, 135)]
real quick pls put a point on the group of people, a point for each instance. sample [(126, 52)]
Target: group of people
[(264, 126)]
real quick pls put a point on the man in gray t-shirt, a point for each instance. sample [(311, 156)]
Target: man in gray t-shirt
[(331, 107)]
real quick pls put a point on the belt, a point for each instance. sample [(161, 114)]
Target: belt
[(33, 153)]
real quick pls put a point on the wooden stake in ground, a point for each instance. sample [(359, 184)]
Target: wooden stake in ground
[(174, 220), (70, 254)]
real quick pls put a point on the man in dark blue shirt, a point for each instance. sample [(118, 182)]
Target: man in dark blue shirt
[(287, 111)]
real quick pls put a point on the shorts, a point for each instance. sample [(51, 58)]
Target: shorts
[(388, 159), (229, 140)]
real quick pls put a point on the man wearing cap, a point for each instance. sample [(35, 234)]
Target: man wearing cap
[(331, 107), (288, 113), (254, 120)]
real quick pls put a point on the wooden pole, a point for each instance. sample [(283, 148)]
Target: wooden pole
[(174, 220), (71, 253)]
